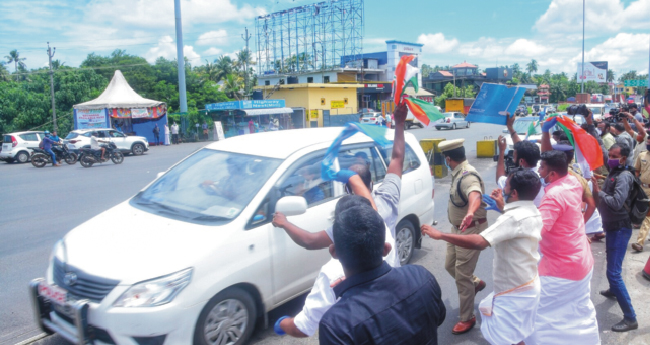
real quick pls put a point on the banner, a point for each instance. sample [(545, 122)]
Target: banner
[(594, 71), (493, 101), (313, 114), (338, 104), (90, 118), (139, 113)]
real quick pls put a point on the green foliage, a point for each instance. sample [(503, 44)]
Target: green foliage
[(448, 92)]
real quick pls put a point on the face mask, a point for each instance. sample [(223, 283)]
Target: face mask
[(447, 165), (543, 181), (505, 196), (613, 163)]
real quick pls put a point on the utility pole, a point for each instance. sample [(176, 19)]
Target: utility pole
[(50, 54), (454, 83), (582, 73), (182, 91), (246, 38)]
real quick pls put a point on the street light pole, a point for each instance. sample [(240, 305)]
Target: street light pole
[(50, 54), (582, 73), (182, 91)]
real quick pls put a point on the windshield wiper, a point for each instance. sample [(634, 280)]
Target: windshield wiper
[(209, 218), (159, 205)]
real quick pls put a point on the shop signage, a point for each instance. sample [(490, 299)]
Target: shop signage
[(255, 104), (338, 104), (378, 86), (313, 114), (91, 118), (638, 82), (138, 113)]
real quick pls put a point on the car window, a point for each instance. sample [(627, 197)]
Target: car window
[(104, 134), (209, 186), (304, 179), (88, 134), (411, 161), (29, 137), (115, 134), (364, 155), (72, 135), (458, 116)]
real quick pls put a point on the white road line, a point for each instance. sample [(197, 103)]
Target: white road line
[(33, 339)]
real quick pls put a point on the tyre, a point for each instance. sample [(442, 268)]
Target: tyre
[(438, 128), (9, 160), (420, 125), (228, 318), (86, 161), (39, 160), (71, 158), (453, 126), (117, 157), (22, 157), (137, 149), (405, 241)]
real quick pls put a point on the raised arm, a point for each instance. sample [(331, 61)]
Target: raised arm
[(474, 241), (546, 136), (501, 168), (303, 238), (397, 158), (510, 122), (627, 126)]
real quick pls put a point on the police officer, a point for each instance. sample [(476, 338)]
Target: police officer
[(467, 215)]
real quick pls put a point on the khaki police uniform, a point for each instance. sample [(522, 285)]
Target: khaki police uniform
[(461, 262), (642, 165)]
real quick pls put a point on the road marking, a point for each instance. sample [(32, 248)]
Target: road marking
[(33, 339)]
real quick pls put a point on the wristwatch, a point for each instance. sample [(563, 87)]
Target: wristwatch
[(512, 132)]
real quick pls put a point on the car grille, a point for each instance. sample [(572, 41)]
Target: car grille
[(86, 286)]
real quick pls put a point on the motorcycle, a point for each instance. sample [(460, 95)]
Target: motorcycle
[(40, 158), (89, 156)]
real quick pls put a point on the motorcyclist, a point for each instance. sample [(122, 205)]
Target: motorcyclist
[(47, 147), (94, 144)]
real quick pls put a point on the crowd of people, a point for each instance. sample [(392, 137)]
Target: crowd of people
[(551, 207)]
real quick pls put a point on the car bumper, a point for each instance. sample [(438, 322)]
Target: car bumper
[(83, 322), (443, 125)]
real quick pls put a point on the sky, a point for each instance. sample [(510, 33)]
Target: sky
[(486, 33)]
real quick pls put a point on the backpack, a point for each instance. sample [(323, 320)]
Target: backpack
[(459, 191), (639, 204)]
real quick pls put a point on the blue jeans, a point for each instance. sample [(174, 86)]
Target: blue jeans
[(616, 246), (49, 151)]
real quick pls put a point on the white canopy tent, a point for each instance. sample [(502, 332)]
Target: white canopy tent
[(118, 94)]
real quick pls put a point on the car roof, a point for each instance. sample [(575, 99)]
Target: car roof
[(92, 130), (25, 132), (281, 144)]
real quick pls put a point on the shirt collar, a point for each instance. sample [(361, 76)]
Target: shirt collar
[(557, 182), (459, 167), (361, 278), (516, 204)]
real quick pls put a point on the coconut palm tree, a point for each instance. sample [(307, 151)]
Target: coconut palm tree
[(243, 58), (532, 67), (224, 66), (4, 73), (210, 71), (14, 57), (56, 64), (610, 76), (232, 84)]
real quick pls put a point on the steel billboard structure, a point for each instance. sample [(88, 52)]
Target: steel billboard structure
[(309, 38)]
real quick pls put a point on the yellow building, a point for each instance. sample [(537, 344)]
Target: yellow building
[(321, 101)]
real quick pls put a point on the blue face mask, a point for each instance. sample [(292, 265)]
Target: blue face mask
[(447, 165), (506, 196)]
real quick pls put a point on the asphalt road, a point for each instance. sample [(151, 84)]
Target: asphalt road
[(38, 206)]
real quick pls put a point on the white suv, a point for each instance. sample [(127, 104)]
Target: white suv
[(17, 146), (194, 257), (127, 144)]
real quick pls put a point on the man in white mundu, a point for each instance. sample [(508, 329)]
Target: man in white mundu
[(565, 314), (508, 313)]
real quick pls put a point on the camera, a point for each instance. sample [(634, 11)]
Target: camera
[(578, 110), (508, 161)]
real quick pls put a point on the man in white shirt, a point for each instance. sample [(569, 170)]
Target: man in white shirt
[(94, 144), (508, 313), (175, 133), (384, 199)]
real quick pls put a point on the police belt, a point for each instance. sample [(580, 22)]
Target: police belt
[(476, 222)]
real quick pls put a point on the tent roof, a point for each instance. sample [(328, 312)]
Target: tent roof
[(118, 94)]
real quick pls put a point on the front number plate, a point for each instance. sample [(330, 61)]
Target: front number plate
[(53, 293)]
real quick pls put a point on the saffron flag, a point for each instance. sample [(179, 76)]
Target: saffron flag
[(404, 74), (376, 133), (586, 146), (424, 111)]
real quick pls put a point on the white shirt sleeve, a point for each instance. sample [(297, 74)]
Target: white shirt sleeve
[(502, 182), (320, 299)]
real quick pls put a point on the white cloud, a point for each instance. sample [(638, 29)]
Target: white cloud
[(524, 47), (159, 14), (219, 37), (212, 53), (167, 48), (436, 43), (623, 52)]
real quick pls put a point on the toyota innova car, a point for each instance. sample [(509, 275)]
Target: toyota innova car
[(193, 258)]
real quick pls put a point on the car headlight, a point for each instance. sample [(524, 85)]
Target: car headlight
[(155, 292)]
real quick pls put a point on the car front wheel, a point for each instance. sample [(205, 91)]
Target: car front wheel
[(138, 149), (228, 318), (405, 241)]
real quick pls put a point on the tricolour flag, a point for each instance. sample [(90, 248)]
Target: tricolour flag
[(586, 146), (404, 73), (426, 112)]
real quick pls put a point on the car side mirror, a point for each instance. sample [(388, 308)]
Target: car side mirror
[(291, 205)]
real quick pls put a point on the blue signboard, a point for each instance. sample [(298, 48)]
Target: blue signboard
[(257, 104), (493, 101)]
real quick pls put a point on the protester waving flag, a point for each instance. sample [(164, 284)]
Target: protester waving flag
[(531, 129), (585, 146), (376, 133), (404, 74), (426, 112)]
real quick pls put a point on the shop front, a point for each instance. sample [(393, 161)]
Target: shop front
[(253, 116)]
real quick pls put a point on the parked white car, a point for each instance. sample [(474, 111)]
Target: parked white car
[(194, 257), (127, 144), (452, 121), (17, 146)]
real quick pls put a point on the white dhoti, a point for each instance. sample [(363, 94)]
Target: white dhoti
[(565, 314), (509, 317), (595, 224)]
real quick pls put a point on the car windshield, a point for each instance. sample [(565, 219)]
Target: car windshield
[(209, 186), (597, 110), (521, 126)]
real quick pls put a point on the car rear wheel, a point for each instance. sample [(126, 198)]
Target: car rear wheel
[(137, 149), (405, 241), (22, 157), (228, 318)]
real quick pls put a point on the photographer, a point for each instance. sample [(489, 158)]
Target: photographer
[(608, 138), (525, 155), (617, 225), (638, 136)]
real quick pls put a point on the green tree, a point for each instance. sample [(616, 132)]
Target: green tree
[(14, 56), (4, 73), (224, 66), (610, 76), (532, 67), (232, 84)]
